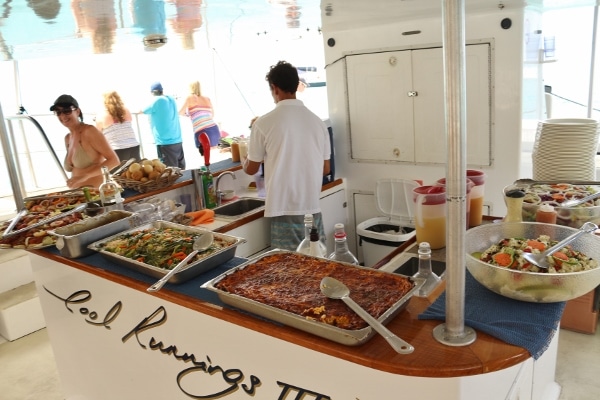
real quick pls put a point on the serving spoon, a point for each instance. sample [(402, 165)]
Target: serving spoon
[(576, 202), (335, 289), (200, 244), (541, 259)]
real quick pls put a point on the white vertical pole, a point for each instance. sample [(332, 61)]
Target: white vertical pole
[(593, 64)]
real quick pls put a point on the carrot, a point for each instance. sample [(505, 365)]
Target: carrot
[(536, 244), (559, 257), (503, 259), (195, 214)]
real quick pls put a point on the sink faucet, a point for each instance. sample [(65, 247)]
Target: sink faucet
[(219, 193)]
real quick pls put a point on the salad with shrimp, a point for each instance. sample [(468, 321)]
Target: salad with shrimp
[(508, 253)]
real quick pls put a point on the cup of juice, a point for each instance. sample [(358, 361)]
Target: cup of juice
[(430, 215)]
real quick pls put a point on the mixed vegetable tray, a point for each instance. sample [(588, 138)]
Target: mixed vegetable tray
[(155, 248)]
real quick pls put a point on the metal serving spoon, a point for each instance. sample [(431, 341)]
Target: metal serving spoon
[(335, 289), (541, 259), (576, 202), (200, 244)]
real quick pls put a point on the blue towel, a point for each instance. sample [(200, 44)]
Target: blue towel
[(528, 325)]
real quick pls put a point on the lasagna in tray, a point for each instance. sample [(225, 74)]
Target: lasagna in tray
[(290, 282)]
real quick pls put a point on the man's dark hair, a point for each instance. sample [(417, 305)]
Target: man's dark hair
[(283, 75)]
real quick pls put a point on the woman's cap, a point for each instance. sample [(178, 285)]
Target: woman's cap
[(156, 86), (64, 100)]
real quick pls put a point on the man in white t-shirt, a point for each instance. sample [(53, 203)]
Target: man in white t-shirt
[(293, 143)]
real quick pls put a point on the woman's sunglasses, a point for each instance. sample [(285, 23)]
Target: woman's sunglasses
[(66, 111)]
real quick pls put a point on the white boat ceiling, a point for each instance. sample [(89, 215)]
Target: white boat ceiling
[(31, 29)]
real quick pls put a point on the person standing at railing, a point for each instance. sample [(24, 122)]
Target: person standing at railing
[(87, 148), (200, 110), (166, 129), (115, 124)]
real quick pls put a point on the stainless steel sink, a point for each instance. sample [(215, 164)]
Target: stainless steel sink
[(411, 267), (239, 208)]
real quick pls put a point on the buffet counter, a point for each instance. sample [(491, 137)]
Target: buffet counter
[(162, 345), (113, 339)]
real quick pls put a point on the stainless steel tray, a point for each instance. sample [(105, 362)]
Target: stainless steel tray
[(54, 217), (330, 332), (72, 241), (192, 270)]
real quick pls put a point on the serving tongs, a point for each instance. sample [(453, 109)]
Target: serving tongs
[(122, 167), (525, 182), (60, 215), (14, 222)]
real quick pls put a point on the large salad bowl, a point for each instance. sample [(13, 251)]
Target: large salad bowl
[(533, 287)]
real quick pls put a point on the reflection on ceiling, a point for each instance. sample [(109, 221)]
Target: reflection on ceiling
[(50, 28)]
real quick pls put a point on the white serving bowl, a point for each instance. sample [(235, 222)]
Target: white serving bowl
[(533, 287), (228, 194)]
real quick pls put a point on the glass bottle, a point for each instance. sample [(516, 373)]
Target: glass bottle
[(425, 271), (342, 253), (110, 192), (304, 246), (315, 249)]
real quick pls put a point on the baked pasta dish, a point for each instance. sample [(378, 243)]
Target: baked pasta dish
[(290, 282)]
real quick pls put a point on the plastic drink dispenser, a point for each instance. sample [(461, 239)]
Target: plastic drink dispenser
[(430, 215), (470, 185), (476, 197)]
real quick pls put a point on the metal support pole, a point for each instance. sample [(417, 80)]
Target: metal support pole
[(590, 110), (8, 147), (453, 332)]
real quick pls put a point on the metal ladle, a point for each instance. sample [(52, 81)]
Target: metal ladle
[(541, 259), (200, 244), (335, 289)]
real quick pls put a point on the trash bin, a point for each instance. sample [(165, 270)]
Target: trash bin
[(379, 236)]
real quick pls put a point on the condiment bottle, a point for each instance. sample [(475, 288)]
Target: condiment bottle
[(110, 192), (514, 205), (304, 246), (342, 253), (315, 249), (425, 271), (546, 213)]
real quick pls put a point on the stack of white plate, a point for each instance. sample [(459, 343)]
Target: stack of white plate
[(565, 149)]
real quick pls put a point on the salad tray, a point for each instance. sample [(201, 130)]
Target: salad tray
[(193, 269), (349, 337)]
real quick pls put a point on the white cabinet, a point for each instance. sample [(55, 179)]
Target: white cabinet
[(334, 209), (257, 234), (396, 105)]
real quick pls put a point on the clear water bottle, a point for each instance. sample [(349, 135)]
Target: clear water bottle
[(110, 192), (342, 253), (425, 272), (304, 246), (316, 248)]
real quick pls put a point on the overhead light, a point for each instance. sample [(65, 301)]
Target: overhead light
[(155, 40)]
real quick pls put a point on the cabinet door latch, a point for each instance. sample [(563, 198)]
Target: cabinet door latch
[(413, 93)]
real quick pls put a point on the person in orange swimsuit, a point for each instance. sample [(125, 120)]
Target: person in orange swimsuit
[(87, 148)]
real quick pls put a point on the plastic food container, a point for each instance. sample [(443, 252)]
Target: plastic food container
[(72, 240)]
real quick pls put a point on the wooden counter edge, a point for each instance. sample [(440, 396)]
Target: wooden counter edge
[(376, 353)]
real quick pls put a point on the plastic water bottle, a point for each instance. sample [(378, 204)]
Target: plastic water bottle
[(342, 253), (304, 246), (425, 271)]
